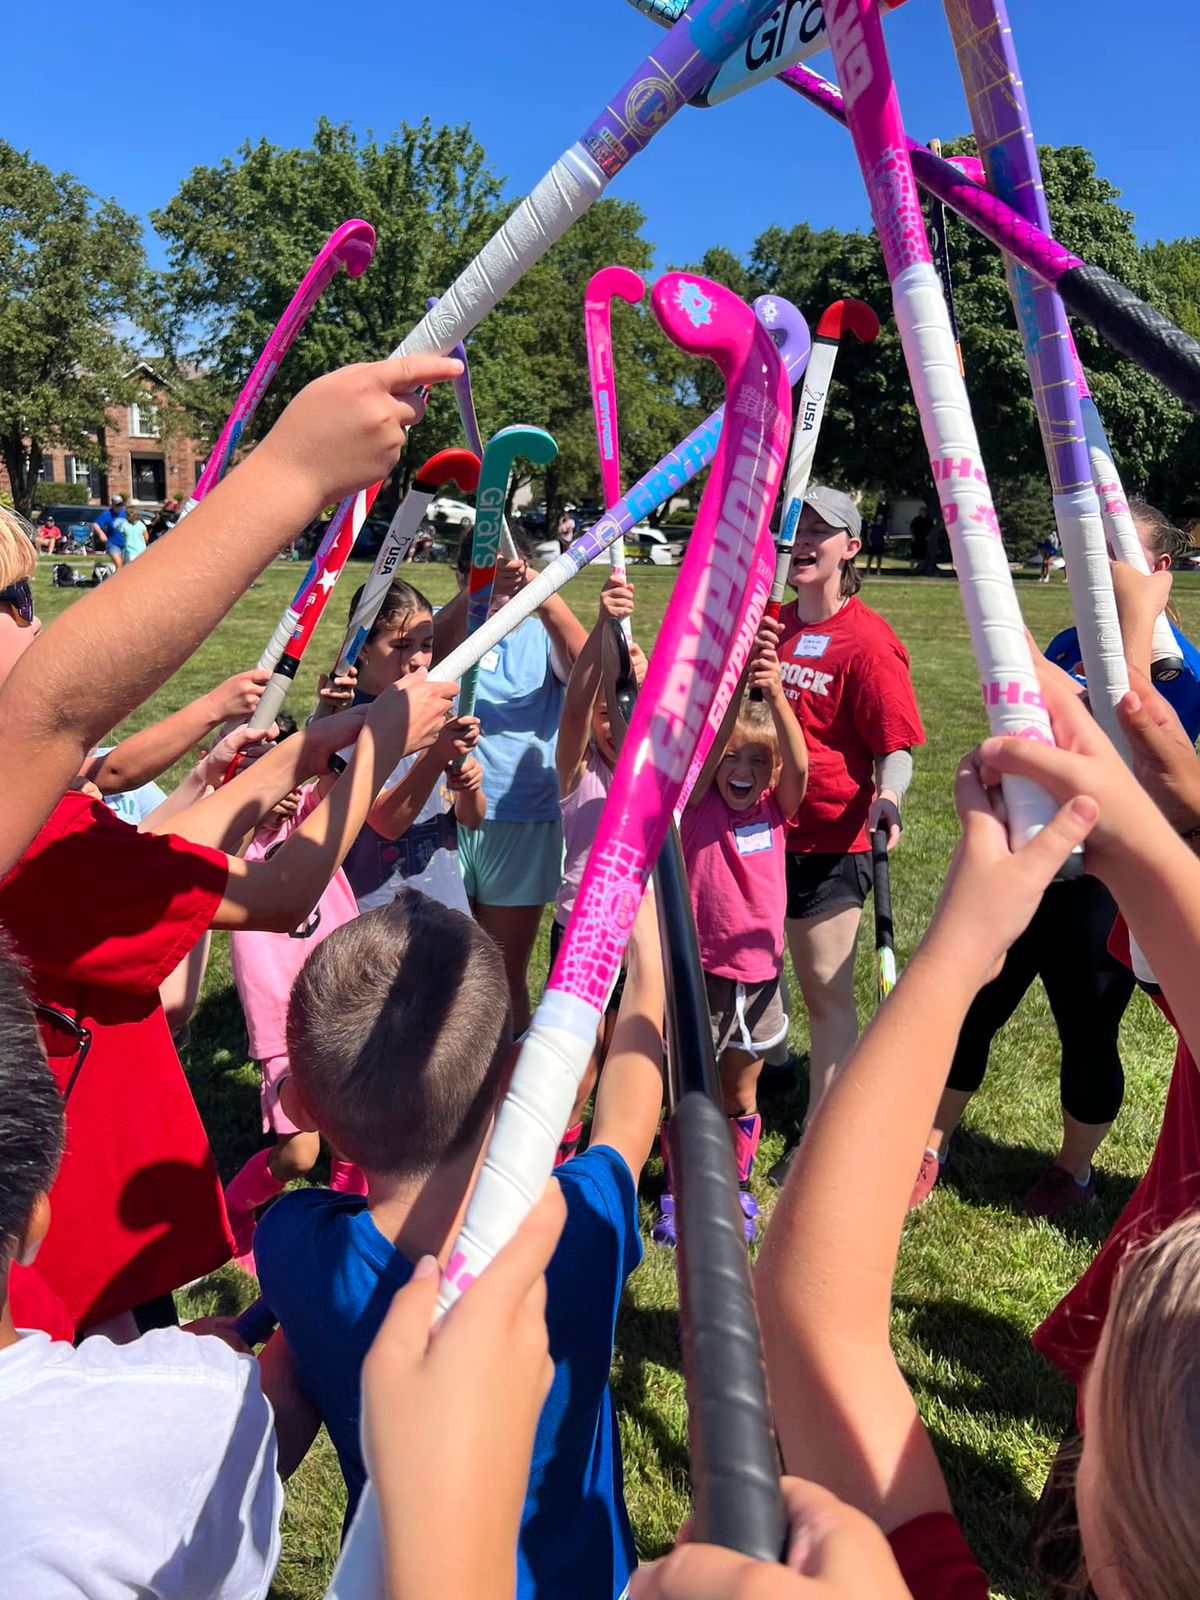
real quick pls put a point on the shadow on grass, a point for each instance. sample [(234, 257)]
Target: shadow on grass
[(648, 1336), (985, 1172)]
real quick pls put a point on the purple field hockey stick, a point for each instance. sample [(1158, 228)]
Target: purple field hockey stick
[(351, 246), (1004, 136), (464, 399), (1010, 686), (603, 287), (789, 334), (722, 587)]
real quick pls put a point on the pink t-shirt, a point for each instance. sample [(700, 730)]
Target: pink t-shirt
[(736, 870), (265, 964), (580, 818)]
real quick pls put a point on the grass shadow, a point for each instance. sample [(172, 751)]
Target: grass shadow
[(983, 1171)]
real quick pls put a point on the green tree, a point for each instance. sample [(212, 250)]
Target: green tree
[(71, 271), (1174, 268)]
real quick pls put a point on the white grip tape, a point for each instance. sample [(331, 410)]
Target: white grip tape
[(1118, 522), (510, 615), (525, 1139), (278, 642), (1010, 686), (817, 376), (1077, 516), (558, 200), (271, 703)]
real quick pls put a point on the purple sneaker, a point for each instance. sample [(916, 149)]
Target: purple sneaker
[(663, 1231), (749, 1207)]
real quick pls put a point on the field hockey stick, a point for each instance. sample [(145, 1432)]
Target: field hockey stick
[(728, 559), (464, 400), (939, 248), (793, 32), (1003, 130), (716, 1297), (603, 286), (502, 449), (1010, 687), (1143, 335), (663, 82), (789, 333), (885, 937), (350, 246), (856, 317), (1166, 663), (447, 466)]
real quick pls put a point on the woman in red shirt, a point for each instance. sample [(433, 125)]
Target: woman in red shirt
[(845, 674)]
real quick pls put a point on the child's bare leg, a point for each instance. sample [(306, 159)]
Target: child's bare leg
[(739, 1082), (294, 1155)]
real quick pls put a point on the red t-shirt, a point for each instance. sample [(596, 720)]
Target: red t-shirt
[(847, 681), (33, 1305), (935, 1560), (100, 914), (1171, 1189)]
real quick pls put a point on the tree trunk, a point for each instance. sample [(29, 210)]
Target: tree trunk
[(12, 447)]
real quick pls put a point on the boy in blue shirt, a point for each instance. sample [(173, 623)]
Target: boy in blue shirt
[(399, 1035)]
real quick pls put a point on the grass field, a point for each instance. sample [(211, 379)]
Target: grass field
[(975, 1275)]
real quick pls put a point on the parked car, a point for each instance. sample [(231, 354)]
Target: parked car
[(452, 513), (647, 545)]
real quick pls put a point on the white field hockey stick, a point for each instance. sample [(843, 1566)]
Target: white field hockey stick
[(464, 399), (460, 467), (1010, 686), (793, 32), (789, 333), (603, 286), (1003, 132), (687, 58), (722, 586), (351, 246)]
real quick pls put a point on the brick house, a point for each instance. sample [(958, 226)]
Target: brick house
[(151, 456)]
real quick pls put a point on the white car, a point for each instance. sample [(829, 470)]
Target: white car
[(454, 513), (646, 544)]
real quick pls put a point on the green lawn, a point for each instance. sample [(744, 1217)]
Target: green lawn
[(975, 1276)]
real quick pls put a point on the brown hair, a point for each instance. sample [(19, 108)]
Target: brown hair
[(851, 579), (402, 600), (756, 723), (1159, 532), (18, 549), (399, 1034)]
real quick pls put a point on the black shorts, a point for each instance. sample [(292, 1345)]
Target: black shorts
[(818, 884), (556, 938)]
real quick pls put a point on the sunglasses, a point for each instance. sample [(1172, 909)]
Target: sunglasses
[(65, 1040), (19, 595)]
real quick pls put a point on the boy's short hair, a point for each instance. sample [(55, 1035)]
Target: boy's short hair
[(399, 1034), (31, 1111)]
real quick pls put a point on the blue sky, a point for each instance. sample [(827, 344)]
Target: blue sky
[(130, 98)]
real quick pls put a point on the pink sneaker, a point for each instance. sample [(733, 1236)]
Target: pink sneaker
[(1056, 1192), (928, 1175)]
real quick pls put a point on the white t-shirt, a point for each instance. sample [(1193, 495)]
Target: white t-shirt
[(143, 1470), (440, 876)]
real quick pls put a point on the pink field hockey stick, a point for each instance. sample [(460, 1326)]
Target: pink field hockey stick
[(789, 333), (350, 246), (713, 614), (1010, 687), (464, 399), (1000, 117), (603, 287)]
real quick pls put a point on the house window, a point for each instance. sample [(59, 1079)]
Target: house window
[(46, 475), (149, 474), (144, 421), (77, 471)]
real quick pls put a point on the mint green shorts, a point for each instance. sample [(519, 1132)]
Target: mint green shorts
[(512, 863)]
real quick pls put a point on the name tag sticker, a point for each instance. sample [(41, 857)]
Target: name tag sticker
[(489, 662), (812, 645), (752, 838)]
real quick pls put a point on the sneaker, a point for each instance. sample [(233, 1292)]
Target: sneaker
[(928, 1175), (663, 1231), (749, 1207), (1056, 1192)]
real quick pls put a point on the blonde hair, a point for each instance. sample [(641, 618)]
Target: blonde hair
[(1144, 1402), (18, 548)]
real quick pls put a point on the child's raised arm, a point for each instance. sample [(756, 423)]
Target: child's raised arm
[(339, 434), (583, 686), (397, 808), (629, 1099), (844, 1413), (766, 676), (147, 754)]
